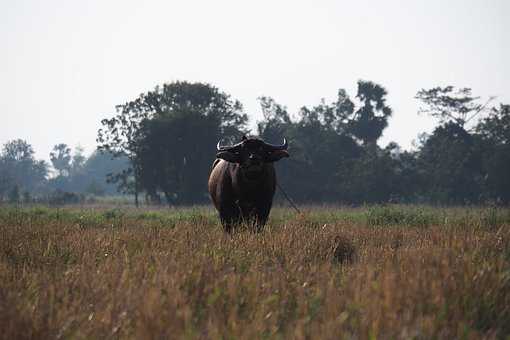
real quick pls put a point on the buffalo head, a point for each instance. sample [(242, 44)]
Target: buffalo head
[(251, 154)]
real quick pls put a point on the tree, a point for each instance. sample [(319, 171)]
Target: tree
[(177, 155), (120, 137), (495, 132), (20, 169), (450, 159), (97, 168), (169, 134), (18, 150), (276, 120), (371, 118), (371, 177), (80, 174), (78, 160), (69, 165), (319, 146), (449, 104), (328, 141), (496, 127), (60, 158), (6, 177)]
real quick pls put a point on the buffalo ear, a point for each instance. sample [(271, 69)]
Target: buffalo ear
[(229, 156), (277, 155)]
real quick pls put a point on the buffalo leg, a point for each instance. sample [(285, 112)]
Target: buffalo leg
[(262, 214), (230, 217)]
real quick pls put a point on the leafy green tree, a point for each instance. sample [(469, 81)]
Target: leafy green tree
[(370, 178), (179, 144), (6, 177), (60, 158), (78, 160), (371, 117), (69, 165), (328, 141), (169, 135), (495, 132), (81, 174), (98, 167), (408, 183), (449, 104), (120, 136), (276, 120), (496, 127), (20, 169), (450, 160), (319, 146)]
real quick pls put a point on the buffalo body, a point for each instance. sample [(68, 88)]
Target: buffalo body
[(243, 181)]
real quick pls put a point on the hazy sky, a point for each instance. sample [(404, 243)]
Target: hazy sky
[(65, 64)]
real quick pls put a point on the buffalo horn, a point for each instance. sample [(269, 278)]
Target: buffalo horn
[(227, 148), (272, 147)]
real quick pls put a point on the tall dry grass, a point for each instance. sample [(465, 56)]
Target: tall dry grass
[(366, 273)]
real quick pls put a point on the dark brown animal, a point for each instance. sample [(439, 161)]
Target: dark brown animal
[(243, 181)]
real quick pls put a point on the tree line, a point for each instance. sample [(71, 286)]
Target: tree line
[(71, 176), (169, 134), (166, 139)]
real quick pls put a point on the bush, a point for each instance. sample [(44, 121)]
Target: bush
[(344, 250), (59, 197)]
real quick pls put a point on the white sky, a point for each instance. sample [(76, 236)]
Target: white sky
[(65, 64)]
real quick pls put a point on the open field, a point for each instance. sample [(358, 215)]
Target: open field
[(331, 273)]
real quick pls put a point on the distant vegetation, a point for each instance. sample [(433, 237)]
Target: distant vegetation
[(74, 179), (388, 272), (160, 147)]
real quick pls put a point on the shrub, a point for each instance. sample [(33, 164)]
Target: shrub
[(59, 197)]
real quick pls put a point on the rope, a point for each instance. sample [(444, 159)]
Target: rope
[(288, 198)]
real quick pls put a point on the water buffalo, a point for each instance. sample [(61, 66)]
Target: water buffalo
[(243, 180)]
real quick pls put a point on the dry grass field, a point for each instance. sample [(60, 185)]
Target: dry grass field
[(384, 272)]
